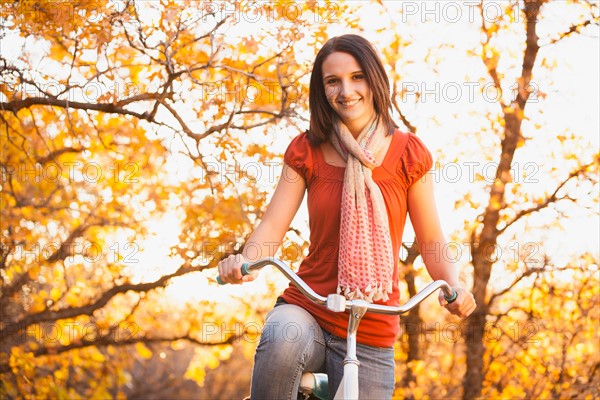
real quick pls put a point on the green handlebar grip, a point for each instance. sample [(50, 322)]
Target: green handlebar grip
[(244, 271), (451, 298)]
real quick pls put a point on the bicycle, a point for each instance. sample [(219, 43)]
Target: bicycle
[(316, 383)]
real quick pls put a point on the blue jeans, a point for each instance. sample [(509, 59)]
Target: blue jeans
[(292, 341)]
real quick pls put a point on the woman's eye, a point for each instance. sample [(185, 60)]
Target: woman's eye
[(358, 77), (330, 81)]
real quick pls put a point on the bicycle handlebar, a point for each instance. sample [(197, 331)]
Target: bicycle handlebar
[(336, 302)]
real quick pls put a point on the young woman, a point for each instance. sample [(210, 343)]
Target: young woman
[(362, 176)]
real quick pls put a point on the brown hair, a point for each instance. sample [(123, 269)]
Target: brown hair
[(321, 112)]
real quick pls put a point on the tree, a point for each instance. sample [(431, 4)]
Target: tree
[(88, 138), (499, 214)]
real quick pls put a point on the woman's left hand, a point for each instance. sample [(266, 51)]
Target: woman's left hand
[(464, 304)]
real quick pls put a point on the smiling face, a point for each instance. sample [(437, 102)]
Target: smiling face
[(347, 90), (347, 70)]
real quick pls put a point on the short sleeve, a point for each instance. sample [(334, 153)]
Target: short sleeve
[(298, 155), (415, 162)]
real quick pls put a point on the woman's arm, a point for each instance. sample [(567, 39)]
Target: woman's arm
[(267, 237), (431, 240)]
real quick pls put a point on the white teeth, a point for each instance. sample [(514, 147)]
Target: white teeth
[(349, 103)]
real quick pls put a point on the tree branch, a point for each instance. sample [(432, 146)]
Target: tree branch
[(528, 272), (88, 309), (412, 252), (490, 62), (16, 105), (551, 198), (403, 118), (110, 340), (575, 28)]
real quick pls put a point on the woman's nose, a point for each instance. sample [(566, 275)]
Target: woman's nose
[(345, 88)]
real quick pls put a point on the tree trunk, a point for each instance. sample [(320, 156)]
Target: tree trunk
[(412, 326), (412, 321), (483, 244)]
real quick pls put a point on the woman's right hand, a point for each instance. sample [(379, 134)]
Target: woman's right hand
[(230, 270)]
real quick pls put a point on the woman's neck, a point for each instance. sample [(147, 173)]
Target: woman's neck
[(358, 127)]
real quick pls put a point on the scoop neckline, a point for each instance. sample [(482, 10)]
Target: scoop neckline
[(384, 162)]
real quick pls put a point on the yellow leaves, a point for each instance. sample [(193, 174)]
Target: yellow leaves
[(256, 149), (134, 73), (206, 358), (421, 387), (34, 271), (102, 37), (320, 35), (61, 374), (513, 391), (97, 356), (121, 395), (22, 362), (50, 18), (58, 52), (195, 373), (143, 351), (55, 293), (188, 49), (37, 306), (73, 298), (196, 369), (251, 45)]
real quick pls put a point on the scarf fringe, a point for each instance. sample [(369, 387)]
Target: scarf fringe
[(369, 293)]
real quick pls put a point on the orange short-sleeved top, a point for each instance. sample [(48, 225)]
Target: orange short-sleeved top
[(406, 161)]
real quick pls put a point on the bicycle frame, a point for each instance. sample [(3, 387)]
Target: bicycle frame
[(348, 388)]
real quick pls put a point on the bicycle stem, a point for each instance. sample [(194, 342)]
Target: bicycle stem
[(349, 384), (357, 311)]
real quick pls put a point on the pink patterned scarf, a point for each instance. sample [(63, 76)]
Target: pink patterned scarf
[(365, 264)]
